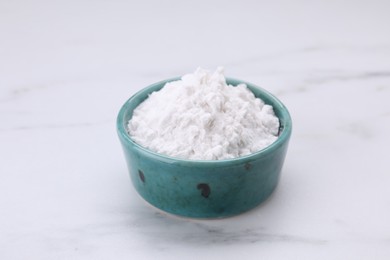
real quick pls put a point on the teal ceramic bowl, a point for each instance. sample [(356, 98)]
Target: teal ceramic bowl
[(205, 189)]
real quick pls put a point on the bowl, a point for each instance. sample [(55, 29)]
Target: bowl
[(200, 188)]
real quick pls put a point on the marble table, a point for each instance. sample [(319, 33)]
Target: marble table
[(66, 67)]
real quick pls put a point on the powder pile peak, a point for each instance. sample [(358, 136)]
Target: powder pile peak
[(201, 117)]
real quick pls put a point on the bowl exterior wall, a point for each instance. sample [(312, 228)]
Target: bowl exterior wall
[(201, 192)]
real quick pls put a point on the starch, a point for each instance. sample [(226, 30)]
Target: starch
[(201, 117)]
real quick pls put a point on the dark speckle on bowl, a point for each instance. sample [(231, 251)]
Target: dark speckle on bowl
[(141, 176), (248, 166), (205, 188)]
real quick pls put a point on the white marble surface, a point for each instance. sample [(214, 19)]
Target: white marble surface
[(66, 67)]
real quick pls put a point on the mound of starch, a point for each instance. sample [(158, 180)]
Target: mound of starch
[(200, 117)]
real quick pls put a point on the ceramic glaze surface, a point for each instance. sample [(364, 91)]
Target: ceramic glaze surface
[(67, 67), (205, 189)]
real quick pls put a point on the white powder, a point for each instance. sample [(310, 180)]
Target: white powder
[(200, 117)]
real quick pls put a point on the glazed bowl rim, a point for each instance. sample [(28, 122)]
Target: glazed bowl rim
[(283, 137)]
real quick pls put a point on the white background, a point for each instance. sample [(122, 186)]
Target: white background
[(66, 67)]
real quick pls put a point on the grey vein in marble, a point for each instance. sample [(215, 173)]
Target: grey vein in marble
[(57, 126)]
